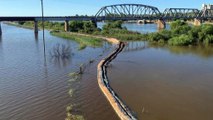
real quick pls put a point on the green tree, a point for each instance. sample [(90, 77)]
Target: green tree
[(76, 26), (89, 27), (177, 24), (113, 25)]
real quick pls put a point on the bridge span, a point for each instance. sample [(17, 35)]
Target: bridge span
[(125, 12)]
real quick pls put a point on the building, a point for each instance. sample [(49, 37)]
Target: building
[(207, 6)]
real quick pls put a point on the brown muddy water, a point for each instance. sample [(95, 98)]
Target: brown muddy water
[(157, 83), (31, 90), (165, 83)]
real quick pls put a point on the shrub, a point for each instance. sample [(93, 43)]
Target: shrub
[(207, 28), (177, 24), (193, 33), (208, 39), (180, 30), (75, 26), (166, 34), (180, 40), (155, 37), (113, 25), (89, 27)]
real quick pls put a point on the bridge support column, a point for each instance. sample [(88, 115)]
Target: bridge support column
[(197, 22), (161, 24), (66, 25), (36, 27), (141, 21)]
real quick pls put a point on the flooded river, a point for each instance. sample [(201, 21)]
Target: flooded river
[(165, 83), (31, 90), (157, 83)]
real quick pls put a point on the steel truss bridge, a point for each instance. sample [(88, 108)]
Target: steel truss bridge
[(139, 12), (128, 12)]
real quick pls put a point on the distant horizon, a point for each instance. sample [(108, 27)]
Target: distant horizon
[(83, 7)]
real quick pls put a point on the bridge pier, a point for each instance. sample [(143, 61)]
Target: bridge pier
[(36, 27), (141, 22), (161, 24), (66, 25), (197, 22)]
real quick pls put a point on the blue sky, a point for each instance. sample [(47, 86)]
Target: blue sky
[(82, 7)]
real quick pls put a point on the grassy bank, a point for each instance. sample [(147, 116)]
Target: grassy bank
[(122, 34), (83, 41)]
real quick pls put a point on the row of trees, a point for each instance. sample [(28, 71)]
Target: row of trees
[(83, 26)]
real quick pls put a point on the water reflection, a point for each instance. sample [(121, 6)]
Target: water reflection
[(0, 41), (177, 77), (135, 46), (36, 36), (61, 54), (1, 46), (203, 51), (31, 90)]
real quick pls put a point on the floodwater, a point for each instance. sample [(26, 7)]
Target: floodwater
[(32, 89), (157, 83), (165, 83), (142, 28)]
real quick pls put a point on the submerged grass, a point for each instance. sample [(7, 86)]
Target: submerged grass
[(70, 114), (84, 41)]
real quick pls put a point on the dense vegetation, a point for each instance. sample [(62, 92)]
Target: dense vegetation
[(182, 34), (111, 29)]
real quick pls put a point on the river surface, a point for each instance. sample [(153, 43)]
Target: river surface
[(142, 28), (157, 83), (165, 83), (32, 89)]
